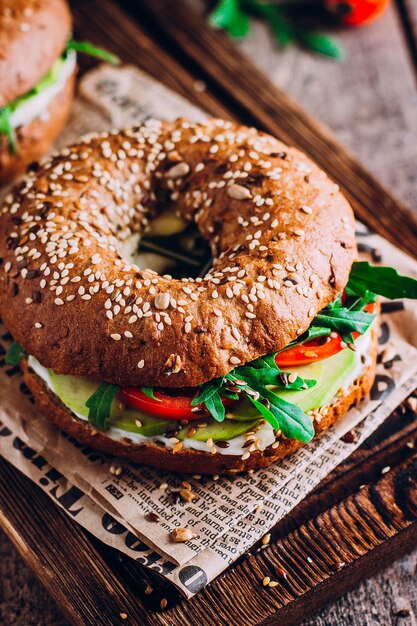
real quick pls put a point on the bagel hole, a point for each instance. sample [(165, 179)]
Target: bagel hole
[(177, 249)]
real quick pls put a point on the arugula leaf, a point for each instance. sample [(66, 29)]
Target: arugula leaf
[(233, 17), (148, 391), (293, 422), (14, 354), (358, 303), (225, 393), (7, 129), (215, 406), (344, 321), (228, 15), (258, 378), (314, 332), (319, 43), (207, 390), (93, 51), (284, 416), (99, 404), (255, 377), (265, 412), (275, 16), (367, 279), (268, 360)]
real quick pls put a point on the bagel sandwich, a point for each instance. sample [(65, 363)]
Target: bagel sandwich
[(224, 371), (37, 76)]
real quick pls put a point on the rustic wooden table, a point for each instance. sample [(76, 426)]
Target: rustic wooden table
[(369, 101)]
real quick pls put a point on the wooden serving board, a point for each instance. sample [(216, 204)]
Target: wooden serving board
[(361, 516)]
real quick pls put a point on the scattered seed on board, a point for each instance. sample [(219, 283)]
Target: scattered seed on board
[(180, 535)]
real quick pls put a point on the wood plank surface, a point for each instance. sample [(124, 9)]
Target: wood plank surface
[(93, 586), (253, 98), (344, 544), (368, 100)]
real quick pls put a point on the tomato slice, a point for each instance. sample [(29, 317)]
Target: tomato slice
[(355, 12), (316, 349), (175, 407)]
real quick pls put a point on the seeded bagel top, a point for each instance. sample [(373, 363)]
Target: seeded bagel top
[(281, 234), (33, 34)]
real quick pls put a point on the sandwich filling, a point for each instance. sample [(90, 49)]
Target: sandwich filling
[(243, 426)]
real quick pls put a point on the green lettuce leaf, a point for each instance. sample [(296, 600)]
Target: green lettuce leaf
[(14, 354), (7, 129), (93, 51)]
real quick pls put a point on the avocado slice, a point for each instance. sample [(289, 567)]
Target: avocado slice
[(329, 374), (219, 431), (151, 426), (74, 393)]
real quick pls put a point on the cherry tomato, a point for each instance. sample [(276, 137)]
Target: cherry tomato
[(355, 12), (175, 407), (316, 349)]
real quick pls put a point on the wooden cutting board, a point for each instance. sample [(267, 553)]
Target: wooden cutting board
[(361, 517)]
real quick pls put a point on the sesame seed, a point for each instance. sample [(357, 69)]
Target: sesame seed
[(179, 170), (162, 301), (116, 336), (238, 192)]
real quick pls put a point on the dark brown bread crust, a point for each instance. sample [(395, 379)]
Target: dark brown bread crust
[(35, 139), (282, 237), (186, 460), (33, 34)]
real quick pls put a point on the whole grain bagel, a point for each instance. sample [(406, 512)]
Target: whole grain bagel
[(281, 234), (33, 33)]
